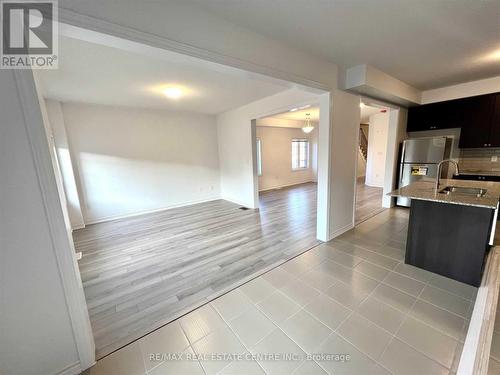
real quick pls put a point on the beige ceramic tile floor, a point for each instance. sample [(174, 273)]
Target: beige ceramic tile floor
[(494, 364), (353, 295)]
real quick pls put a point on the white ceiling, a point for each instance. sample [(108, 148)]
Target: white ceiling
[(426, 43), (98, 74), (300, 114), (296, 119), (367, 111)]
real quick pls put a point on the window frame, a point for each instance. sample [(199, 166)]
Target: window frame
[(307, 154), (258, 149)]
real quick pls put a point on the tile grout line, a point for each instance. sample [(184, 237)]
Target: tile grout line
[(394, 269), (426, 283), (191, 343), (394, 335), (402, 274), (354, 311), (238, 337), (407, 315), (300, 309)]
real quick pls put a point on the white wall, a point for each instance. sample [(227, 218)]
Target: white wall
[(277, 157), (132, 160), (480, 87), (396, 135), (36, 331), (377, 149), (65, 162), (342, 172), (237, 147), (280, 122), (367, 80)]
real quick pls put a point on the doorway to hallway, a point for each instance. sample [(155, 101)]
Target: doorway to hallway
[(371, 164)]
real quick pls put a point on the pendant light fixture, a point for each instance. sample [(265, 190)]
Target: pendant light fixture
[(308, 128)]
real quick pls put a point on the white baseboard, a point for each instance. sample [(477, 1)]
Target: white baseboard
[(117, 217), (342, 230), (237, 202), (79, 226), (373, 184), (287, 185), (72, 369)]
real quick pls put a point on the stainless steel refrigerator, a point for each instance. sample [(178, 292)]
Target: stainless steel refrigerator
[(419, 160)]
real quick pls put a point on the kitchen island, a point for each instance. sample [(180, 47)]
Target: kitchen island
[(451, 228)]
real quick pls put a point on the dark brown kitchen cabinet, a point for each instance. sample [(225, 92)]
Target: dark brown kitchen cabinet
[(478, 117), (478, 130), (495, 126), (432, 117)]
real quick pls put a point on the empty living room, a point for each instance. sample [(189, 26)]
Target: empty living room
[(249, 187)]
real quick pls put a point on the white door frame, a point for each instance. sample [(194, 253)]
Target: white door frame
[(270, 113), (66, 260), (62, 244), (393, 139)]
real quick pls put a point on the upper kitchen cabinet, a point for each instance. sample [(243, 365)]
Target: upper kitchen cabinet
[(479, 130), (434, 116), (495, 126), (477, 116)]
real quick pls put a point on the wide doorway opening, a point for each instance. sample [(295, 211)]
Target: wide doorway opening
[(287, 170), (149, 168)]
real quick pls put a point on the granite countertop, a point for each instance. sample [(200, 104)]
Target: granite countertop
[(424, 190)]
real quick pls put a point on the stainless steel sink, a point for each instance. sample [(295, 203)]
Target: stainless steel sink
[(463, 191)]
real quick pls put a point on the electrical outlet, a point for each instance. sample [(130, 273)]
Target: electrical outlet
[(494, 158)]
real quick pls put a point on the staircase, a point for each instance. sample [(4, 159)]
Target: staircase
[(363, 143)]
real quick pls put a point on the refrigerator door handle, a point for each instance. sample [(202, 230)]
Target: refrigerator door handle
[(401, 166), (403, 151)]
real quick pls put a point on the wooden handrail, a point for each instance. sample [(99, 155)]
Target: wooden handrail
[(363, 142)]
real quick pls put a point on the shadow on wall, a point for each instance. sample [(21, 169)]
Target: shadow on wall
[(130, 160), (114, 186)]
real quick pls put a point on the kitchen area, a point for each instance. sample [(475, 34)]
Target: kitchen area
[(449, 177)]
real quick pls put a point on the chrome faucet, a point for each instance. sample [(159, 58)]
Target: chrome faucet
[(439, 170)]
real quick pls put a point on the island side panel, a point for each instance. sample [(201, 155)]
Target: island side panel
[(449, 239)]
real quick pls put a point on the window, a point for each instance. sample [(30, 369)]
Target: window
[(300, 154), (259, 157)]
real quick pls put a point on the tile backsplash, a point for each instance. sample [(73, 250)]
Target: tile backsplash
[(478, 159)]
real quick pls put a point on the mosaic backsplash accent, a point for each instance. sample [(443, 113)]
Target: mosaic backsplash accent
[(479, 160)]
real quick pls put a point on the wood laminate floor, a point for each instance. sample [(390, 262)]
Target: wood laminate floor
[(142, 272), (368, 202)]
